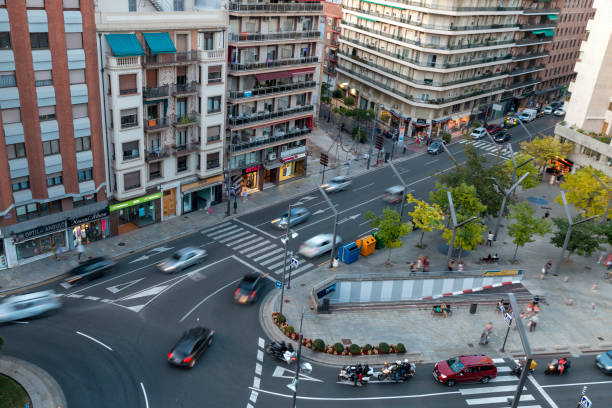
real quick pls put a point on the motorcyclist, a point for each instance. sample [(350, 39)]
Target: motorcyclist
[(561, 365)]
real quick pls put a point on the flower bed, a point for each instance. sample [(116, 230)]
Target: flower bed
[(338, 348)]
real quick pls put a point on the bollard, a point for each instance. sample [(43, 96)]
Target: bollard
[(566, 279), (570, 302)]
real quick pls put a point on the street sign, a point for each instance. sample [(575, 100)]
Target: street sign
[(585, 402), (508, 319), (294, 263), (502, 309), (278, 284)]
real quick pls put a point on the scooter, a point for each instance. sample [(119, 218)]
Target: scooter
[(518, 369), (554, 367), (282, 351), (349, 374)]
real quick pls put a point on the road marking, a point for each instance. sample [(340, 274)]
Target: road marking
[(108, 300), (250, 406), (92, 339), (432, 161), (504, 378), (234, 230), (147, 292), (114, 277), (503, 369), (276, 251), (488, 390), (494, 400), (145, 395), (296, 271), (256, 229), (260, 356), (256, 382), (576, 384), (258, 369), (222, 230), (392, 397), (206, 298), (141, 258), (121, 286), (543, 393), (232, 237), (259, 244), (216, 227), (363, 187), (261, 342), (279, 372), (499, 360), (245, 263), (72, 295), (253, 397), (249, 238), (20, 322), (269, 260), (276, 265), (92, 298)]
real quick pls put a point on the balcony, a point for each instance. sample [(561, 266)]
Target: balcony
[(154, 155), (186, 119), (277, 8), (332, 57), (156, 92), (427, 4), (278, 139), (257, 118), (529, 55), (211, 55), (176, 58), (533, 41), (542, 11), (330, 70), (335, 28), (517, 71), (155, 124), (254, 66), (542, 26), (122, 62), (333, 43), (270, 90), (248, 38), (186, 148), (523, 84), (185, 89)]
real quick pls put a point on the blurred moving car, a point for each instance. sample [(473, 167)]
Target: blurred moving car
[(394, 194), (604, 362), (548, 110), (559, 111), (19, 307), (298, 216), (249, 288), (435, 147), (502, 137), (190, 346), (336, 184), (479, 133), (474, 368), (181, 259), (90, 269), (318, 245), (493, 129)]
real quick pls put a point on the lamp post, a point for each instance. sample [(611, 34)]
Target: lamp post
[(285, 241), (506, 194), (372, 131), (333, 208), (605, 217), (405, 190), (229, 177), (306, 367), (455, 225), (514, 401)]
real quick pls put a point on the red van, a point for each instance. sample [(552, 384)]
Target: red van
[(474, 368)]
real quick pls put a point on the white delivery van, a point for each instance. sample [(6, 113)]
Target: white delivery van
[(528, 115)]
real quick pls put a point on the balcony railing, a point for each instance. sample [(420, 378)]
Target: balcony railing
[(333, 43), (525, 27), (264, 116), (529, 55), (169, 59), (541, 11), (252, 66), (292, 134), (329, 70), (211, 54), (276, 8), (533, 41), (332, 57), (518, 71), (428, 4), (289, 35), (523, 84), (156, 92), (153, 155), (186, 148), (122, 62), (187, 88), (156, 123), (270, 90), (187, 119), (335, 28)]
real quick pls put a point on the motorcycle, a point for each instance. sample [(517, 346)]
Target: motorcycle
[(399, 371), (518, 369), (351, 374), (558, 367), (282, 351)]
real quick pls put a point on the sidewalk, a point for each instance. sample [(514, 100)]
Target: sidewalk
[(562, 328)]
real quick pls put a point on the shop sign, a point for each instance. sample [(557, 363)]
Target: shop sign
[(505, 272), (42, 230), (215, 179), (252, 169), (73, 222), (135, 201)]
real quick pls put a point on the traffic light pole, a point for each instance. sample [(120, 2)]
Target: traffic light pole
[(324, 160)]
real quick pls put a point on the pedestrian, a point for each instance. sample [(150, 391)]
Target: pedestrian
[(533, 322), (546, 268), (546, 215), (208, 209), (412, 266), (490, 237), (235, 206), (602, 255), (60, 252), (80, 249), (419, 264), (245, 195), (426, 264), (500, 305), (460, 266), (404, 148), (451, 265)]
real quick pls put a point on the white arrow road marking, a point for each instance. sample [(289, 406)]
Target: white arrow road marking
[(354, 217), (307, 198), (161, 249), (142, 258), (121, 286), (65, 285), (318, 212), (280, 373), (147, 292)]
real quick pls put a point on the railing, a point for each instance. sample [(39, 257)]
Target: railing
[(122, 62), (156, 92), (289, 35), (529, 55), (187, 88), (542, 11), (334, 43), (211, 54), (277, 7), (538, 26), (518, 71), (294, 133), (269, 90), (272, 64), (331, 71), (523, 84), (128, 91), (428, 4), (174, 58), (186, 148), (332, 57), (335, 28), (156, 123), (186, 119), (532, 41), (153, 155), (260, 117)]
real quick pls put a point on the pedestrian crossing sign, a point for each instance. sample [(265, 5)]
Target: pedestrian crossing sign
[(294, 263), (585, 402), (508, 318)]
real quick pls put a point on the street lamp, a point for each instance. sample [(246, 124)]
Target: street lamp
[(514, 401), (333, 208), (455, 225), (506, 194), (405, 190), (305, 367), (289, 234)]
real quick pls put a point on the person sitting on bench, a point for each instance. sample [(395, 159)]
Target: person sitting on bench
[(495, 258)]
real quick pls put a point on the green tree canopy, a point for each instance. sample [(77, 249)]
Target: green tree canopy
[(532, 179), (390, 228), (468, 236), (584, 240), (427, 217), (585, 192), (465, 199), (526, 225), (545, 148)]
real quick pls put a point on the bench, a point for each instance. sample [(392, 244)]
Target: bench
[(437, 310), (488, 260)]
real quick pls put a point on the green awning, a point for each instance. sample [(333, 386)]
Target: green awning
[(160, 43), (552, 17), (536, 32), (382, 4), (549, 32), (124, 45), (367, 19)]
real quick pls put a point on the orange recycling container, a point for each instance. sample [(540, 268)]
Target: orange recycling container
[(367, 245)]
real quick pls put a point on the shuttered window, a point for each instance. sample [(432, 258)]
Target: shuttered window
[(131, 180)]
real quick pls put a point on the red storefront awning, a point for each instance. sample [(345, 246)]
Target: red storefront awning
[(302, 71), (273, 75)]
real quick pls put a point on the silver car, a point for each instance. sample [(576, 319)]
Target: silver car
[(181, 259), (29, 305), (298, 216), (318, 245), (338, 183)]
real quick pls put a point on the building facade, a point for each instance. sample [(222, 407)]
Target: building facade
[(273, 75), (163, 85), (332, 16), (589, 111), (52, 182)]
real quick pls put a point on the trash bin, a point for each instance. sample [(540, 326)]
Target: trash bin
[(380, 243), (367, 245), (324, 306), (473, 308), (348, 253)]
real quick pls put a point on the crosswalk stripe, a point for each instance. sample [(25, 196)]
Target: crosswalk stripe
[(302, 268), (274, 258), (479, 144), (493, 400), (272, 252), (227, 233), (487, 390), (235, 235), (277, 265), (503, 369), (499, 360), (504, 378), (224, 231), (254, 239), (221, 230), (216, 227), (491, 148), (252, 247), (462, 141)]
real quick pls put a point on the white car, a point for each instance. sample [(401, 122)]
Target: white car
[(479, 133), (318, 245), (182, 259), (336, 184), (548, 110), (29, 305), (559, 111)]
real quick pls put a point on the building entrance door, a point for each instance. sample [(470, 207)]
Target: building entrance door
[(169, 202)]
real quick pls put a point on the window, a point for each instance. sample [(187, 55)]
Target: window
[(54, 179), (214, 104), (15, 151), (5, 40), (85, 174), (214, 74), (35, 3), (132, 5), (181, 164), (51, 147), (39, 40), (129, 118), (43, 78), (213, 133), (79, 111), (154, 170), (21, 183), (72, 4), (127, 84), (11, 115), (74, 41), (207, 42), (7, 79), (181, 138), (178, 5), (26, 212), (46, 113), (212, 161), (82, 144), (77, 76), (83, 200), (131, 180), (131, 150)]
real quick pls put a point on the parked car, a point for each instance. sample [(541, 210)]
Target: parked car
[(89, 270), (559, 111), (604, 362), (435, 147), (190, 346), (527, 115), (502, 137), (493, 129), (182, 259), (336, 184), (472, 368), (318, 245), (394, 194), (298, 216), (479, 133), (249, 288), (19, 307), (548, 110), (555, 105)]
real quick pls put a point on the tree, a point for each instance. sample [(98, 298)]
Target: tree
[(465, 199), (584, 191), (468, 236), (544, 149), (337, 93), (526, 225), (390, 228), (427, 217), (585, 238), (532, 179), (349, 100)]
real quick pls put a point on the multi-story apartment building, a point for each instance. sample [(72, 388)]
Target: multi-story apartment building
[(273, 76), (163, 85), (52, 178), (332, 15), (589, 111)]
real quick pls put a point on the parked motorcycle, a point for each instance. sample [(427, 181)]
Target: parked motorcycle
[(351, 374), (282, 351), (398, 371), (558, 366)]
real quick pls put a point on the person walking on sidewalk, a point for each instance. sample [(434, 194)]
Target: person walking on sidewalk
[(533, 322), (80, 249), (404, 148), (426, 264), (546, 268), (490, 237)]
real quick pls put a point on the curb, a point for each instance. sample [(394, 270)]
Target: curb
[(42, 389)]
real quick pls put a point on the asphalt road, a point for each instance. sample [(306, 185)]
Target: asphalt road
[(107, 347)]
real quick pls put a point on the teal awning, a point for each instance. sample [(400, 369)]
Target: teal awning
[(160, 43), (548, 32), (552, 17), (124, 45)]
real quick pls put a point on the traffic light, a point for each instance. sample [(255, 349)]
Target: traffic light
[(324, 159), (379, 142)]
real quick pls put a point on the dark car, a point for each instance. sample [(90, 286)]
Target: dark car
[(474, 368), (502, 137), (493, 129), (190, 346), (90, 269), (435, 147), (249, 288)]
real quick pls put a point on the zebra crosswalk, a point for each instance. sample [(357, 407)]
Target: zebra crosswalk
[(259, 249), (490, 148)]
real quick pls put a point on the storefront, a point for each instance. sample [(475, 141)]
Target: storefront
[(136, 213), (43, 240), (459, 122), (89, 228), (250, 179), (198, 195), (294, 166)]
